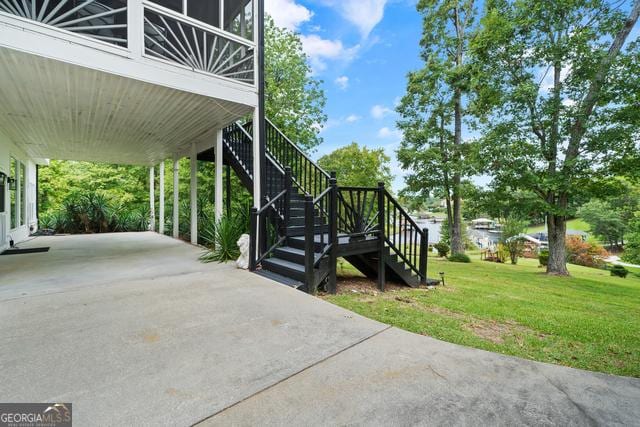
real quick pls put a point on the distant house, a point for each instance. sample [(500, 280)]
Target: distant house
[(543, 237), (483, 224)]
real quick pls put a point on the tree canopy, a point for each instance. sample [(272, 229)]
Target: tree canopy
[(358, 166), (554, 90), (294, 98), (433, 110)]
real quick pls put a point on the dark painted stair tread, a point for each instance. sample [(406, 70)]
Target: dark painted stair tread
[(284, 267), (293, 254), (288, 281)]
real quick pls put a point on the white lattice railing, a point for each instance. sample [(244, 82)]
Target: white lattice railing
[(146, 29), (177, 39), (105, 20)]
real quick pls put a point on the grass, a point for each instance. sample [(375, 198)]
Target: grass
[(574, 224), (589, 320)]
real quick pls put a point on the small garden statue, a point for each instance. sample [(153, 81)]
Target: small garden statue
[(243, 245)]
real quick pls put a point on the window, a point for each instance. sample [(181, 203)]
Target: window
[(13, 196), (205, 11), (23, 195), (171, 4), (238, 17)]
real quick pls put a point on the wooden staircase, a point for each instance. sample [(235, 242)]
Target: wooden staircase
[(307, 221)]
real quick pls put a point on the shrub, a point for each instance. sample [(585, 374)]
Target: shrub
[(222, 237), (459, 258), (502, 253), (632, 247), (442, 248), (94, 213), (584, 253), (619, 270), (511, 238), (543, 257)]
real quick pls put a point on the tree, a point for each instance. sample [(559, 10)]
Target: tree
[(632, 248), (605, 222), (432, 111), (500, 202), (554, 100), (294, 99), (358, 166), (511, 237)]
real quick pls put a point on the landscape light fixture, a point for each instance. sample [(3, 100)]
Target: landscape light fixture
[(442, 277)]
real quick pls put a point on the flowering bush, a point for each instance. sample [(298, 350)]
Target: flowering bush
[(585, 253)]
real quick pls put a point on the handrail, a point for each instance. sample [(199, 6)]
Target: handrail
[(295, 146), (324, 193), (272, 201), (410, 245), (401, 209)]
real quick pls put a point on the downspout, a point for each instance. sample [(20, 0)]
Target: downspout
[(262, 143)]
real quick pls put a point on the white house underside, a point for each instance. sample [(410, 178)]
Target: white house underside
[(57, 110)]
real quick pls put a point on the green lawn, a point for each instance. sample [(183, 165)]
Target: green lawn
[(574, 224), (590, 320)]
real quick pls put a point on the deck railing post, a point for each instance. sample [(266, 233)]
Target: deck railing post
[(288, 182), (333, 234), (309, 245), (424, 252), (253, 235), (381, 238)]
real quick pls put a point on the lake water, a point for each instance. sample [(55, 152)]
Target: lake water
[(434, 229)]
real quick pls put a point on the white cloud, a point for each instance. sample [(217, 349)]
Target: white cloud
[(319, 50), (342, 82), (287, 13), (364, 14), (379, 111), (352, 118), (387, 133)]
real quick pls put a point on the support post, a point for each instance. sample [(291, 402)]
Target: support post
[(176, 198), (253, 223), (288, 182), (257, 194), (381, 237), (424, 252), (309, 245), (161, 205), (259, 125), (152, 199), (194, 194), (219, 171), (333, 234), (135, 19), (228, 189)]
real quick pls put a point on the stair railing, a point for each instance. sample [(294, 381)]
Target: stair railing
[(238, 141), (271, 220), (307, 175), (326, 206), (405, 238)]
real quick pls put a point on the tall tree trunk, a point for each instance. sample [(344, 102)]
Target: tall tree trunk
[(557, 229), (557, 234), (457, 240)]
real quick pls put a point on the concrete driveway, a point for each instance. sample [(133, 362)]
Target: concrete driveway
[(133, 330)]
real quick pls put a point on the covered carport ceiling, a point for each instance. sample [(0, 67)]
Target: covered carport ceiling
[(56, 110)]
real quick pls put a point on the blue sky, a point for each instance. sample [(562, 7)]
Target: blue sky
[(362, 50)]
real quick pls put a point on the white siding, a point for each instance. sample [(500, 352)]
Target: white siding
[(7, 151)]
